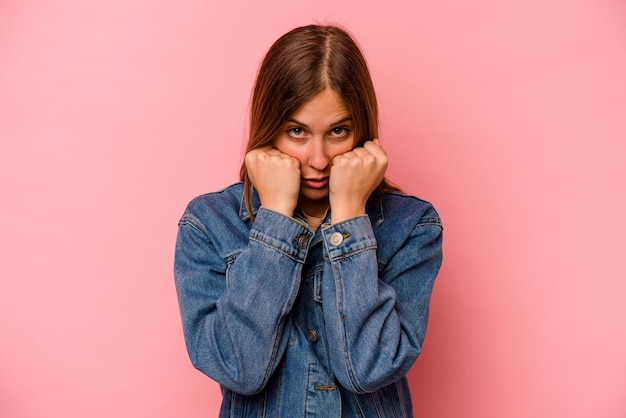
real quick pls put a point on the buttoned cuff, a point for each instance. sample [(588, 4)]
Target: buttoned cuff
[(284, 234), (348, 237)]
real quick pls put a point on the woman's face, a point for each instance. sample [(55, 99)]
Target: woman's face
[(317, 132)]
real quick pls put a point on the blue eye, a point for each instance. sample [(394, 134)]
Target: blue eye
[(340, 131), (295, 132)]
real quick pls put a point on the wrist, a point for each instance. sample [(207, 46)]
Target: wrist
[(283, 210), (339, 213)]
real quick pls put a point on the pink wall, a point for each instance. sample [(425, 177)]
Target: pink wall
[(509, 116)]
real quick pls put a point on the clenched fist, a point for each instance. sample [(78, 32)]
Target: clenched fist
[(276, 178), (353, 177)]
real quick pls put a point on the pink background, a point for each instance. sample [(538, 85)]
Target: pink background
[(510, 116)]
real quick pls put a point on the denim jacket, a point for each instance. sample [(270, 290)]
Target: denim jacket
[(295, 323)]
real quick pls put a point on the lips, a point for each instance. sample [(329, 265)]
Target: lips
[(316, 183)]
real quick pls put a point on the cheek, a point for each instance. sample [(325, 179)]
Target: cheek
[(341, 148), (281, 145), (286, 147)]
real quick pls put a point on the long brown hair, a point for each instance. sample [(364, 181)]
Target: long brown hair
[(298, 66)]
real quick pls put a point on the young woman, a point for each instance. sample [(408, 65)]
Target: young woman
[(304, 289)]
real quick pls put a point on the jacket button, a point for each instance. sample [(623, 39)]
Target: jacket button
[(336, 238), (312, 335), (302, 241)]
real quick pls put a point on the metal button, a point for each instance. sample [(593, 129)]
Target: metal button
[(312, 334), (302, 241), (336, 238)]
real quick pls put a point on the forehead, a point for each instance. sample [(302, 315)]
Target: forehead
[(325, 107)]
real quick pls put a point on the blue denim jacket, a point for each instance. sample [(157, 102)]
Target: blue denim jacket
[(293, 323)]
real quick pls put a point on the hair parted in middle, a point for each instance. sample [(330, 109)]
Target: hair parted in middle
[(299, 65)]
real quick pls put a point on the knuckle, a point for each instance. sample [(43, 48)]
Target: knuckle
[(369, 159)]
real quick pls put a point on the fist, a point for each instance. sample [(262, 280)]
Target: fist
[(353, 177), (276, 178)]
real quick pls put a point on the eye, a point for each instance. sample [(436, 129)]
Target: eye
[(295, 132), (340, 132)]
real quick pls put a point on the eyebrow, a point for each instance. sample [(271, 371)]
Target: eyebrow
[(332, 125)]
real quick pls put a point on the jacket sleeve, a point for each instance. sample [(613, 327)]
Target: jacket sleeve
[(234, 307), (376, 312)]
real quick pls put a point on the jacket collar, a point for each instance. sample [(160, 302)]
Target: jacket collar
[(374, 209), (255, 203)]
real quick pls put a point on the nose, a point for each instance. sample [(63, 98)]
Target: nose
[(318, 156)]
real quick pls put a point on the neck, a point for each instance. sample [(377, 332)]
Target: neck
[(314, 209)]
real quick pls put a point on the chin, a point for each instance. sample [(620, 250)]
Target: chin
[(317, 197), (315, 194)]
